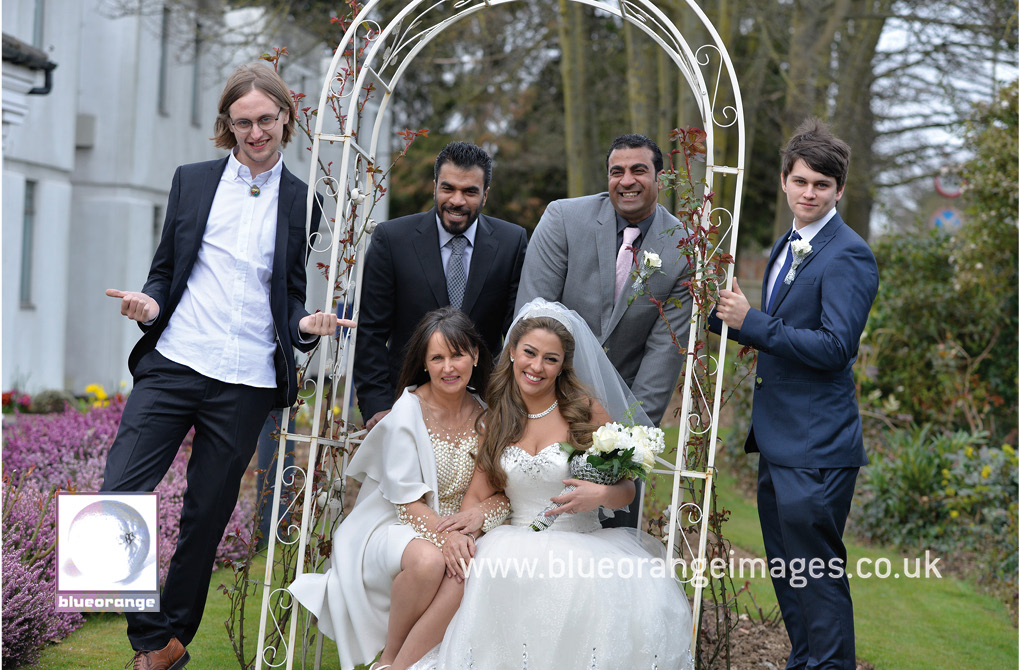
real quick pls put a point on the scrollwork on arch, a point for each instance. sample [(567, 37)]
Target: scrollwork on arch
[(378, 55)]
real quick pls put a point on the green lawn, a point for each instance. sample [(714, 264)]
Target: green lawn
[(901, 624), (102, 642)]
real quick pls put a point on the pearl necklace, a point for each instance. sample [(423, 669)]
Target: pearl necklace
[(545, 413)]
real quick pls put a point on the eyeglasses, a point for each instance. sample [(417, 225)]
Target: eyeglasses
[(264, 122)]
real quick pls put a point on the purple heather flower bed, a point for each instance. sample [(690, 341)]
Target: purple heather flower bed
[(45, 453)]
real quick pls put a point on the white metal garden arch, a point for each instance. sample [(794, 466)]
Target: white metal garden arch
[(377, 56)]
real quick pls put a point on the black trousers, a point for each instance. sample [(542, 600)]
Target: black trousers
[(167, 400)]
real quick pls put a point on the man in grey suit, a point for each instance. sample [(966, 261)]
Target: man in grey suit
[(582, 254)]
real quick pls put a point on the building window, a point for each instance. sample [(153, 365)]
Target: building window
[(157, 226), (162, 95), (27, 245), (196, 79), (37, 22)]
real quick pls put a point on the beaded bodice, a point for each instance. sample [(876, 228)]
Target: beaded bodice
[(531, 481), (454, 465), (455, 449)]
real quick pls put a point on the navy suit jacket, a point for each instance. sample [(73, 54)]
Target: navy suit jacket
[(187, 212), (404, 280), (805, 412)]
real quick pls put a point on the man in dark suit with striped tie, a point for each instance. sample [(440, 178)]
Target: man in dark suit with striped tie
[(450, 255)]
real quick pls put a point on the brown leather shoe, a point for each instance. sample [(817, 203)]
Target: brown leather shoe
[(171, 657)]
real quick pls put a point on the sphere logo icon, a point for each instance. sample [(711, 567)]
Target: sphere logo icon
[(108, 540)]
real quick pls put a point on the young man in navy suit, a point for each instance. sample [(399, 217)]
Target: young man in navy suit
[(819, 286), (221, 311)]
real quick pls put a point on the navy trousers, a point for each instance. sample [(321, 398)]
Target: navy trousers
[(803, 515), (268, 451), (167, 400)]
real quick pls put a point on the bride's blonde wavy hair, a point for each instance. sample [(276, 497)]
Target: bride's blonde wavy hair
[(504, 420)]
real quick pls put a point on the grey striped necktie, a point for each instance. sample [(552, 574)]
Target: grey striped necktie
[(456, 278)]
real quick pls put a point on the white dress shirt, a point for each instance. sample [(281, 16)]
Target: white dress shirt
[(807, 233), (445, 237), (223, 326)]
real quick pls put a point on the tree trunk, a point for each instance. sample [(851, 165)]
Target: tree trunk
[(811, 42), (728, 13), (577, 117), (853, 119), (641, 80)]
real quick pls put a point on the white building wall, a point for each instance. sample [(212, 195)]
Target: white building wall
[(122, 178), (33, 341), (40, 149), (103, 157), (113, 247)]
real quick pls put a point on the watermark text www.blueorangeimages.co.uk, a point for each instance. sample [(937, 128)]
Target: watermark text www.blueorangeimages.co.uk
[(797, 570)]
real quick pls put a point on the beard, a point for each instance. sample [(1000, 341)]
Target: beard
[(457, 227)]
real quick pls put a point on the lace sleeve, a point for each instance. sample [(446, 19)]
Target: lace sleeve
[(496, 509), (423, 525)]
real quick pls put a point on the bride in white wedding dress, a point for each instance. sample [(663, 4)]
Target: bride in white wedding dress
[(575, 595)]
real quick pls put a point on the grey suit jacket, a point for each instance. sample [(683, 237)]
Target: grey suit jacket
[(571, 258)]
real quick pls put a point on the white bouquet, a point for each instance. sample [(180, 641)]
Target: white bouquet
[(616, 451)]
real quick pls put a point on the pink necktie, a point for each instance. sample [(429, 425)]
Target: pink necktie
[(624, 259)]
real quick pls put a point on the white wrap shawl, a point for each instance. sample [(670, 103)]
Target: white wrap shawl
[(396, 465)]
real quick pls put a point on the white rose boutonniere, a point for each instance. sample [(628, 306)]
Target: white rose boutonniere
[(801, 249), (650, 263)]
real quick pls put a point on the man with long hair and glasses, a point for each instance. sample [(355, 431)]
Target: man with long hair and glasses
[(221, 311)]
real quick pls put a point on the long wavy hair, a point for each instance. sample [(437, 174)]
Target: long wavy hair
[(504, 421), (461, 336), (257, 76)]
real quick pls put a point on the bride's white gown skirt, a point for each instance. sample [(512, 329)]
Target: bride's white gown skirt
[(573, 596)]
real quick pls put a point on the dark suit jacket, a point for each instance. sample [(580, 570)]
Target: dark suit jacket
[(805, 413), (404, 279), (187, 212)]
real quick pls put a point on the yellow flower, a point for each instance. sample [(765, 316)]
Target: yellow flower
[(954, 514), (986, 472), (950, 491), (969, 452), (98, 392), (1007, 448)]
